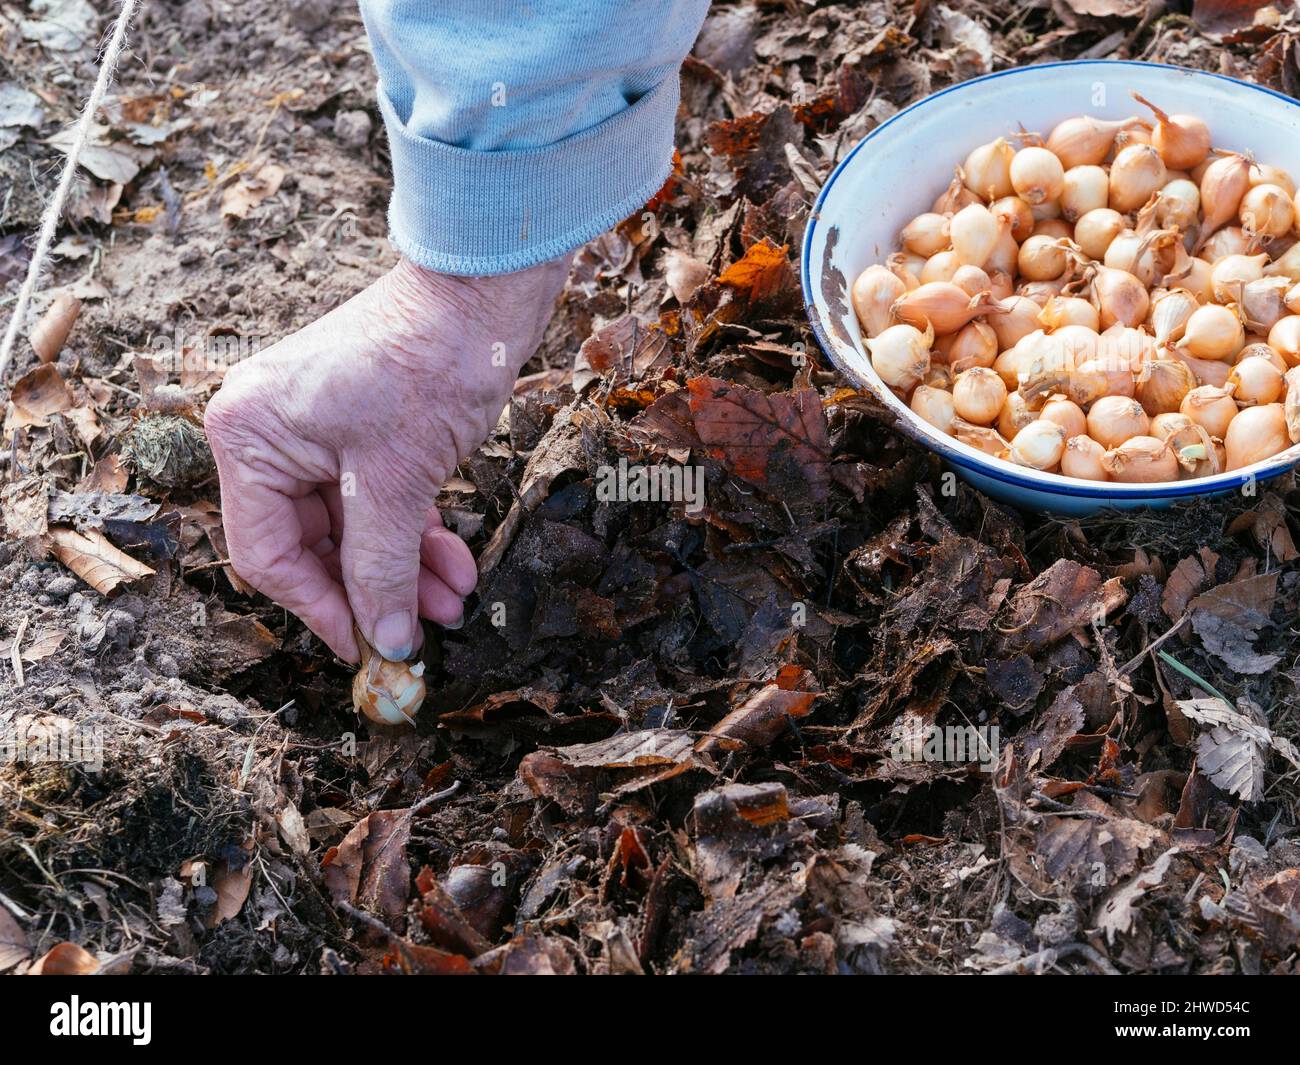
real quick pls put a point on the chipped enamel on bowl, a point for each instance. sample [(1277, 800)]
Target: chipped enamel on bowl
[(900, 167)]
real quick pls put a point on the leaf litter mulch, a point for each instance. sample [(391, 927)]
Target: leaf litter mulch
[(672, 736)]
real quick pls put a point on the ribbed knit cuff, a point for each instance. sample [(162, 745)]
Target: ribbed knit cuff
[(477, 213)]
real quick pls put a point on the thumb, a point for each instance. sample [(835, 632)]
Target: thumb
[(383, 520)]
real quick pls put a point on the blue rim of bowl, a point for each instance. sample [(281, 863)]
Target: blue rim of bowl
[(994, 469)]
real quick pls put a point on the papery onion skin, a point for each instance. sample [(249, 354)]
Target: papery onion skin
[(1136, 175), (1095, 231), (980, 437), (873, 294), (1284, 338), (1207, 371), (1213, 332), (1265, 174), (1067, 414), (1179, 205), (1016, 214), (935, 406), (974, 344), (1014, 416), (1223, 185), (1037, 175), (1183, 141), (975, 231), (1292, 405), (1069, 310), (387, 692), (1087, 188), (1231, 272), (1119, 297), (1084, 140), (978, 395), (1162, 425), (901, 355), (1141, 460), (1169, 314), (955, 196), (1255, 380), (941, 304), (1113, 419), (1082, 459), (988, 169), (1266, 211), (1039, 445), (926, 234), (941, 266), (1211, 408), (1041, 258), (1257, 433), (1162, 384), (972, 280)]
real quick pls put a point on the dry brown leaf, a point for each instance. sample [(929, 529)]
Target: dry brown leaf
[(1118, 908), (232, 883), (779, 442), (683, 274), (65, 959), (36, 395), (250, 190), (14, 944), (96, 561), (1108, 8), (1189, 577), (24, 505), (765, 714), (51, 330), (1064, 598), (1267, 522), (108, 476), (1228, 619), (43, 644), (369, 866), (1233, 753), (1217, 17)]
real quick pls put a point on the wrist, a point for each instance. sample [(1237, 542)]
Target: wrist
[(464, 339)]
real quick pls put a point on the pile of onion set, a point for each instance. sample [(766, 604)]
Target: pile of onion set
[(1118, 302)]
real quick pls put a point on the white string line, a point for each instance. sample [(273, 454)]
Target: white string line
[(50, 220)]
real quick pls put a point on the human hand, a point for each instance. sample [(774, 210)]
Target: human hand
[(332, 445)]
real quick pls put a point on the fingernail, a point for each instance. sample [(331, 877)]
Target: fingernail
[(393, 635), (459, 623)]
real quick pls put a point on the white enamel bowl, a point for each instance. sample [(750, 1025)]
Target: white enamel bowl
[(897, 170)]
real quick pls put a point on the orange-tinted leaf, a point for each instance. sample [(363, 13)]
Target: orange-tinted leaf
[(765, 714), (760, 273)]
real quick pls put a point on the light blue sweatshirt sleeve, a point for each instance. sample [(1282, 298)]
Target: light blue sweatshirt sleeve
[(521, 130)]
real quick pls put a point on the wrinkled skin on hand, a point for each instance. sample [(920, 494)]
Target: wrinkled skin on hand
[(332, 445)]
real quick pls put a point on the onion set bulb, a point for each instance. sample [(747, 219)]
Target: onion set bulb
[(387, 692), (1117, 303)]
